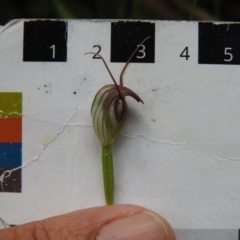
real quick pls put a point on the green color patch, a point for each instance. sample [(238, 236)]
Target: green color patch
[(11, 104)]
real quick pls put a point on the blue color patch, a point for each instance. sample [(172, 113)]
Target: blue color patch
[(10, 155)]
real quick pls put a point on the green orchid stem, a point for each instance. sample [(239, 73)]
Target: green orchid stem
[(108, 178)]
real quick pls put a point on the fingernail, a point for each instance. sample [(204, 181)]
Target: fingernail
[(140, 226)]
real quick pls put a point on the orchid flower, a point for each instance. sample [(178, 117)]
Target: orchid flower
[(109, 112)]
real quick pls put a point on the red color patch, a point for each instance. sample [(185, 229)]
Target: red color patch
[(10, 130)]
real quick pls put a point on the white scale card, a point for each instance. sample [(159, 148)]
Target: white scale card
[(178, 153)]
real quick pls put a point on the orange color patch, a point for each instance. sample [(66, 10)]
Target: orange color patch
[(10, 130)]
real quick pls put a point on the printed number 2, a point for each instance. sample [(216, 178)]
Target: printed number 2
[(99, 50), (53, 51), (184, 53)]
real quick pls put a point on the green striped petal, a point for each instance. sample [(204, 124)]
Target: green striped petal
[(109, 112)]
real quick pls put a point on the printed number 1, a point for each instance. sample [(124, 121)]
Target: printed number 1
[(53, 51)]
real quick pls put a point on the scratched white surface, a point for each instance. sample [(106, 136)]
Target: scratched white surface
[(178, 154)]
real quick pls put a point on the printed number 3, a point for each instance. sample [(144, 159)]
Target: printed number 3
[(141, 50)]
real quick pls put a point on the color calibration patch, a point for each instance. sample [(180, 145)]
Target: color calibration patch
[(10, 141)]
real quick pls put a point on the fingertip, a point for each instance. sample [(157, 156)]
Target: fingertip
[(139, 226), (116, 222)]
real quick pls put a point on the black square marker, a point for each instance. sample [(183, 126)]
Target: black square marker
[(219, 43), (125, 36), (45, 41), (12, 180)]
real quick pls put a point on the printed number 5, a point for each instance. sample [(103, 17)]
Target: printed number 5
[(141, 51), (230, 56)]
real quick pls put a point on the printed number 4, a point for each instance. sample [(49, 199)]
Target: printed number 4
[(184, 53)]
